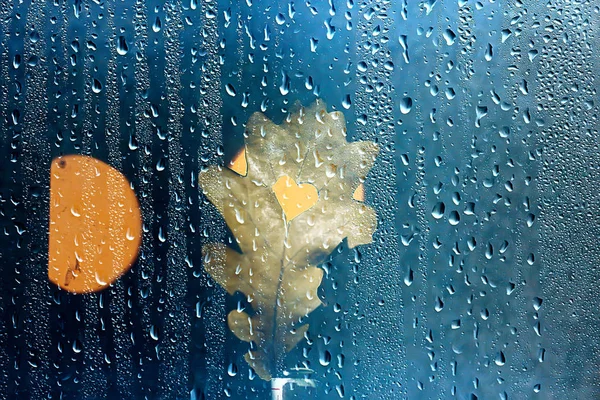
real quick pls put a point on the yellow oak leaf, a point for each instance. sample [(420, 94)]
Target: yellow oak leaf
[(296, 204)]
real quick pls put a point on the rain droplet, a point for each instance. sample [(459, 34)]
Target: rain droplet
[(154, 332), (330, 29), (500, 359), (471, 243), (409, 278), (325, 358), (449, 37), (238, 216), (284, 88), (161, 235), (122, 47), (232, 370), (406, 105), (77, 346), (454, 218), (161, 164), (489, 52), (439, 304), (346, 102), (96, 86), (157, 25), (438, 210), (532, 54), (230, 90)]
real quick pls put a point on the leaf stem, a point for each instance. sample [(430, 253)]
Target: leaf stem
[(277, 365)]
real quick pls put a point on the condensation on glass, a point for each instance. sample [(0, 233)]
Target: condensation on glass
[(456, 186)]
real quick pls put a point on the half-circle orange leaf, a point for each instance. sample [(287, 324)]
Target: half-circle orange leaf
[(95, 224)]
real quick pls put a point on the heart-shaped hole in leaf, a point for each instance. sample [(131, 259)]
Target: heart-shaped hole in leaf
[(293, 198)]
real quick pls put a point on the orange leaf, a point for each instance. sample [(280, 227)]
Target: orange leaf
[(293, 198), (95, 224)]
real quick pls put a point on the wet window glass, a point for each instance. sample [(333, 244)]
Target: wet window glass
[(210, 199)]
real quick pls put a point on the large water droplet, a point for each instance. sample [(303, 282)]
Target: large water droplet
[(406, 105), (500, 359), (454, 218), (324, 358), (122, 47), (449, 37), (438, 210), (96, 86)]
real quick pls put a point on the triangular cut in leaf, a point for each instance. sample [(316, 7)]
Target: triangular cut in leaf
[(300, 198)]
